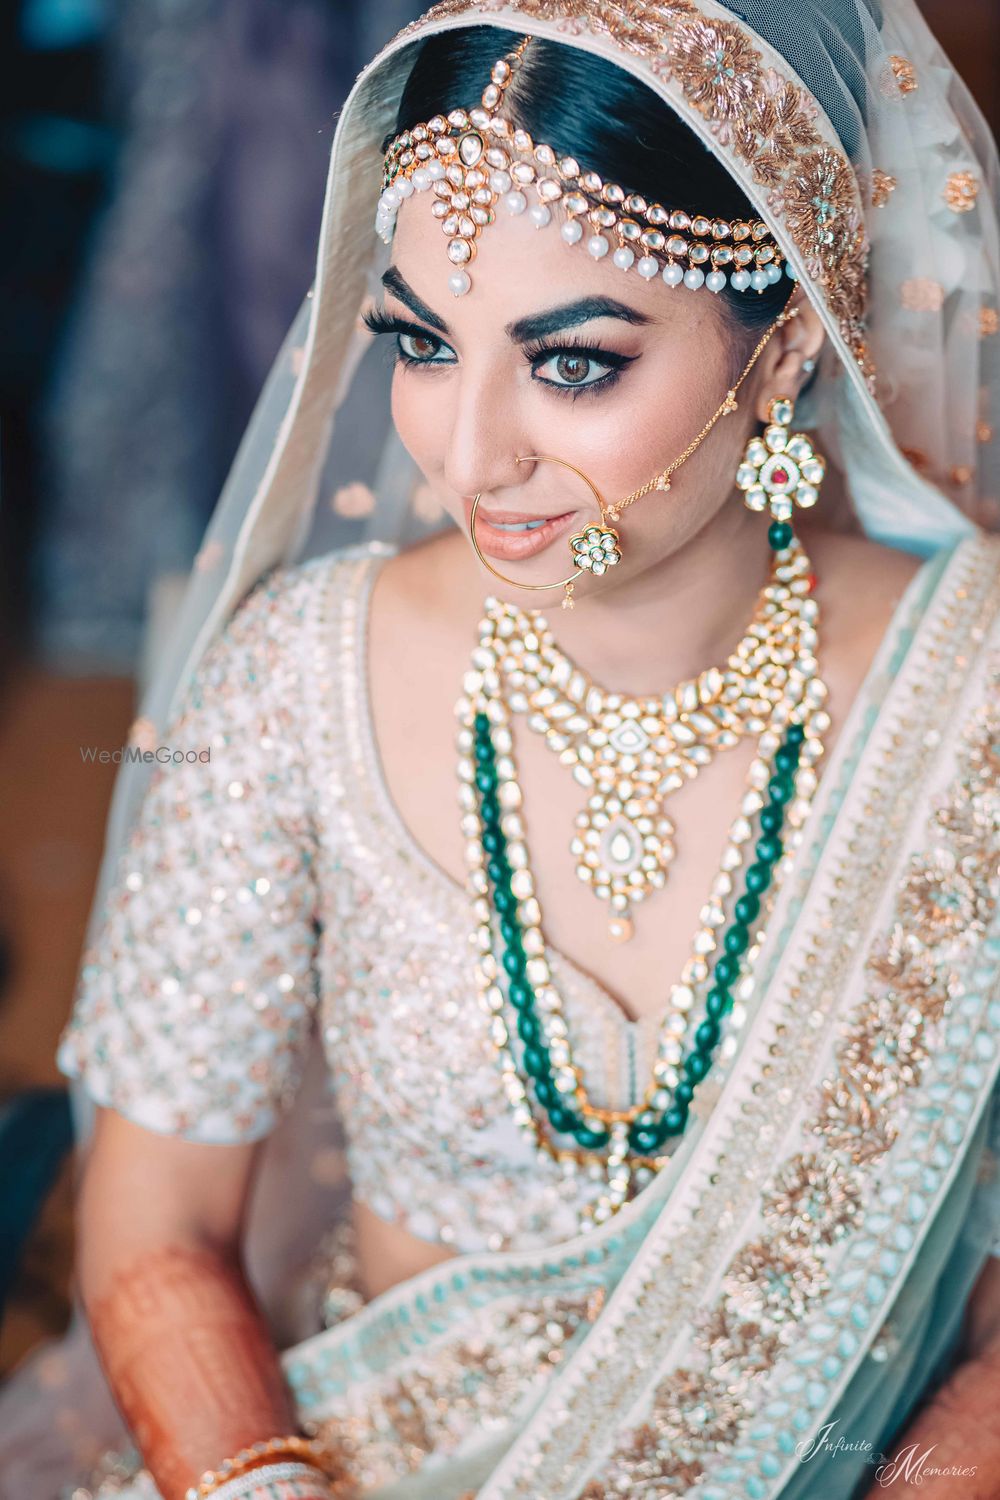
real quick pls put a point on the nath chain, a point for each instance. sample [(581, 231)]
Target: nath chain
[(661, 481)]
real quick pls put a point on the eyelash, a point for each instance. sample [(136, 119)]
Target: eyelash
[(378, 321)]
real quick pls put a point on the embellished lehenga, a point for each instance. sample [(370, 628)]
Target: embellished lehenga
[(891, 905), (274, 956)]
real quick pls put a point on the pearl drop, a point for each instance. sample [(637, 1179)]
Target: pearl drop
[(459, 283), (623, 257), (540, 214), (572, 231), (790, 271), (740, 280), (759, 281), (500, 182), (598, 246), (772, 272), (421, 179), (391, 198), (648, 267), (673, 275), (715, 281), (515, 202), (694, 278), (404, 187)]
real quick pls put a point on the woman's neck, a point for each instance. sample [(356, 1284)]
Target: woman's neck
[(675, 619)]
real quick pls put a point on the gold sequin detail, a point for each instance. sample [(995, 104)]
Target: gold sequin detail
[(961, 191), (817, 1197), (900, 77), (883, 187), (922, 294), (353, 500), (466, 1384)]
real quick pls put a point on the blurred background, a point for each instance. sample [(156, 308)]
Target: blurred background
[(161, 181)]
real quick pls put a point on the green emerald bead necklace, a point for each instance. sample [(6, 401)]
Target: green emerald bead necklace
[(544, 1087)]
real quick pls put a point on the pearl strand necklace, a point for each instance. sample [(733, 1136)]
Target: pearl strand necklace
[(610, 1144)]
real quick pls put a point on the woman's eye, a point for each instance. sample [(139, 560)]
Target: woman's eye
[(572, 368), (422, 348)]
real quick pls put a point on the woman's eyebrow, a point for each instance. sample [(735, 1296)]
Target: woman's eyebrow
[(570, 315), (394, 281)]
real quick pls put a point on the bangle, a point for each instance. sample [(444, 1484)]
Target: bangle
[(298, 1481), (306, 1450)]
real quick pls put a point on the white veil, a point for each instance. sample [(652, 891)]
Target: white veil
[(907, 283)]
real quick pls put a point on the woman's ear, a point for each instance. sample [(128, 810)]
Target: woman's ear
[(785, 370)]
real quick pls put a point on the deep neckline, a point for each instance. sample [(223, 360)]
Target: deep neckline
[(457, 894)]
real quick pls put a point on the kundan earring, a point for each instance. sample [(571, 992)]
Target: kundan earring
[(780, 470), (595, 549)]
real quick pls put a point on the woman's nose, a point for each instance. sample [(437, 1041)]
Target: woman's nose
[(484, 439)]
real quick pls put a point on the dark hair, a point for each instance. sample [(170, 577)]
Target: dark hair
[(586, 107)]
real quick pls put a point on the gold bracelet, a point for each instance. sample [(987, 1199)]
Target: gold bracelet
[(306, 1449)]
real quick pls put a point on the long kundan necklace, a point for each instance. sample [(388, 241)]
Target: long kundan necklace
[(631, 754)]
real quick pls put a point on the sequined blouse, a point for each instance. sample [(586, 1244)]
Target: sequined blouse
[(270, 900)]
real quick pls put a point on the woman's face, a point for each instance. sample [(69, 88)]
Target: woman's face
[(554, 353)]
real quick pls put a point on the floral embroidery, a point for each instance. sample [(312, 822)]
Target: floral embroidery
[(943, 905), (814, 1200), (776, 126), (883, 185), (773, 1280), (961, 191), (386, 1429), (813, 1196), (353, 500), (922, 294), (636, 27), (820, 207), (716, 67), (901, 76)]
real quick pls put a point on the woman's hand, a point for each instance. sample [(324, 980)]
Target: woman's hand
[(187, 1354)]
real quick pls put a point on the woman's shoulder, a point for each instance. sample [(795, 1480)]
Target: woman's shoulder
[(273, 611)]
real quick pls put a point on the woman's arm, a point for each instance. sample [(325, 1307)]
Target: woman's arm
[(184, 1345), (959, 1429)]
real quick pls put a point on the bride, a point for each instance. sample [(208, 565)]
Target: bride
[(607, 863)]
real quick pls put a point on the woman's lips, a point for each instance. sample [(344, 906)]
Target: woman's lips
[(515, 546)]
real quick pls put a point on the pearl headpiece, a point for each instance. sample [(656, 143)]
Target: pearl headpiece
[(472, 159)]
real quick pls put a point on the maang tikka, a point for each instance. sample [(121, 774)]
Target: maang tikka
[(471, 161)]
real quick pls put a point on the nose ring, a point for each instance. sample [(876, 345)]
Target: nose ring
[(594, 550)]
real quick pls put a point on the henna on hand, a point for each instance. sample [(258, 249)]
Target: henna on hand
[(190, 1362)]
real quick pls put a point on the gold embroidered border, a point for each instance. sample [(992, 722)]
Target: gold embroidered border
[(761, 118), (389, 1427), (946, 901), (665, 1298)]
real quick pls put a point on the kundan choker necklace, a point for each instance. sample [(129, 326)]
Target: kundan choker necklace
[(631, 754), (635, 752)]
